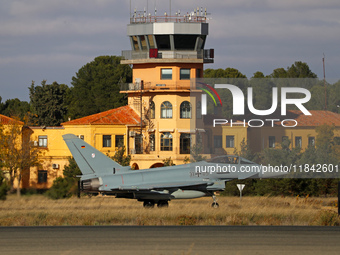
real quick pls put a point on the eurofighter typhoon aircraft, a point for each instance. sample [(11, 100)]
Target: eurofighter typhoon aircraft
[(158, 185)]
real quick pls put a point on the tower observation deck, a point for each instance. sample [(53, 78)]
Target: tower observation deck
[(168, 39)]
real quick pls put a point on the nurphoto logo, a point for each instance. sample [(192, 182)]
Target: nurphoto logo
[(282, 99)]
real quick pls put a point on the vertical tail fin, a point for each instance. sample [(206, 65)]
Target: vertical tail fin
[(89, 159)]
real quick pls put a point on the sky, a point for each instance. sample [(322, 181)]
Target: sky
[(52, 39)]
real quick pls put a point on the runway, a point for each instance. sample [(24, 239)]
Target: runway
[(170, 240)]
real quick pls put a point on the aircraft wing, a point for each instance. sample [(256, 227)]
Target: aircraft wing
[(160, 186)]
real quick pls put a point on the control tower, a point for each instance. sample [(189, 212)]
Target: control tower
[(167, 52)]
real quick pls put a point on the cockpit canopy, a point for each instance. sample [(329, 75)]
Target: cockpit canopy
[(230, 159)]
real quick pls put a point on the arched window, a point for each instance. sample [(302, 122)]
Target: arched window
[(185, 110), (166, 110), (166, 141), (152, 110)]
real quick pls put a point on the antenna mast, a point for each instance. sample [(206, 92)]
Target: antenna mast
[(324, 80)]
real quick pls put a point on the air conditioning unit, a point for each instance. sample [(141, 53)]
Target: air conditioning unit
[(132, 133), (55, 166)]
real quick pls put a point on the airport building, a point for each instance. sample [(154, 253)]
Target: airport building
[(167, 54)]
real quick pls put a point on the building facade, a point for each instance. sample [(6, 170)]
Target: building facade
[(166, 54)]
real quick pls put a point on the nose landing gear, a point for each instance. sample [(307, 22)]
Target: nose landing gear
[(214, 204)]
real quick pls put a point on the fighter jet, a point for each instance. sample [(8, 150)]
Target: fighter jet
[(101, 174)]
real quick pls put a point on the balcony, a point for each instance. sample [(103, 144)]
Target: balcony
[(150, 86), (135, 57)]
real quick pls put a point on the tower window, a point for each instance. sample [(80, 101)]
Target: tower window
[(166, 110), (185, 42), (166, 142), (184, 74), (166, 74), (185, 110), (143, 42), (151, 42), (163, 42), (135, 42)]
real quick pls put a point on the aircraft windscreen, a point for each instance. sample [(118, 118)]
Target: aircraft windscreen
[(246, 161)]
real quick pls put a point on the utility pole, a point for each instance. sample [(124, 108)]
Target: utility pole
[(324, 80)]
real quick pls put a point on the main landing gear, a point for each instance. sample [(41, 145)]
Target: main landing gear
[(214, 204), (151, 203)]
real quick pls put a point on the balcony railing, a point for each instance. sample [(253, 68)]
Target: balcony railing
[(139, 17), (155, 86), (206, 55)]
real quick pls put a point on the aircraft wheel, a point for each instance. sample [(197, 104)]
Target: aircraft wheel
[(162, 204), (215, 205), (148, 204)]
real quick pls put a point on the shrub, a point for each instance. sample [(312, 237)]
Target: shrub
[(61, 188)]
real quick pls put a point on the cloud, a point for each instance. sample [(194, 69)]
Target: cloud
[(52, 39)]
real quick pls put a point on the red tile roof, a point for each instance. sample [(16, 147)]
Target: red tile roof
[(7, 120), (124, 115), (316, 119)]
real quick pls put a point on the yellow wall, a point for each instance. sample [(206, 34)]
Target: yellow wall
[(57, 152), (151, 74), (158, 125), (259, 137)]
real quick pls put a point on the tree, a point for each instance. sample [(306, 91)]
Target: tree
[(17, 153), (96, 86), (232, 76), (168, 162), (334, 97), (15, 107), (3, 186), (121, 158), (220, 73), (262, 92), (196, 151), (246, 152), (300, 70), (258, 74), (281, 156), (326, 149), (48, 103), (64, 187), (297, 70)]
